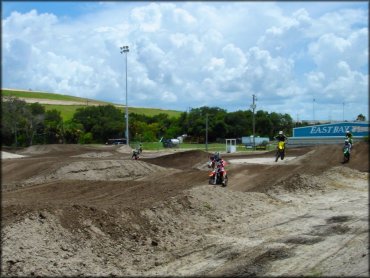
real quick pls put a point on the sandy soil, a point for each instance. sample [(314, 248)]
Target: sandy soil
[(60, 102), (70, 210)]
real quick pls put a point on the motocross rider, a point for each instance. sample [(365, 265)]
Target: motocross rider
[(135, 154), (281, 136), (347, 143), (219, 165), (349, 137)]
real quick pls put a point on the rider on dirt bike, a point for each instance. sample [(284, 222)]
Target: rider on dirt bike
[(218, 165), (280, 150), (347, 150), (135, 154), (347, 143)]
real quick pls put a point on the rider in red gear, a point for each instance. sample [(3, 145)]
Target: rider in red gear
[(219, 164)]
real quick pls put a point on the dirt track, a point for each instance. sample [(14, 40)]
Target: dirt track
[(69, 210)]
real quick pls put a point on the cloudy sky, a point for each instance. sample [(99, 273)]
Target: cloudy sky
[(307, 59)]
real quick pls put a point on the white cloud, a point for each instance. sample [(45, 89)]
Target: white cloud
[(189, 54), (182, 16), (148, 17), (168, 97)]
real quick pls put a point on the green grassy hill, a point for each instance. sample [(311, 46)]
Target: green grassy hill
[(67, 110)]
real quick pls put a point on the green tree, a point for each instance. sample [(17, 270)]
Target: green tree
[(239, 123), (34, 122), (53, 127), (103, 122), (14, 112), (72, 132), (361, 118), (263, 124)]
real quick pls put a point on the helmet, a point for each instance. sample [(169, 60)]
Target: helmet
[(347, 132), (216, 156), (280, 132)]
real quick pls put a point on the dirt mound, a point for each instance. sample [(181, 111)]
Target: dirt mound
[(7, 155), (100, 170), (181, 160), (313, 161), (325, 157), (299, 183), (156, 229), (94, 154), (124, 149), (54, 149), (89, 215)]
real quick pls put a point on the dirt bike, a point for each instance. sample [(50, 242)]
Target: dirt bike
[(280, 151), (215, 177), (135, 154), (346, 154)]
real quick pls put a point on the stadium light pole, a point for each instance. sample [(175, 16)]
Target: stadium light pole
[(124, 49), (253, 106), (343, 112)]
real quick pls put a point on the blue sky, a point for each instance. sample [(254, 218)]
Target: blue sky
[(193, 54)]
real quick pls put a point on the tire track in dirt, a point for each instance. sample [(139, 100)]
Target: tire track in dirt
[(271, 220)]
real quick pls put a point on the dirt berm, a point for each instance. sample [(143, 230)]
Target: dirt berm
[(70, 210)]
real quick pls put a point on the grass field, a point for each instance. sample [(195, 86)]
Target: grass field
[(43, 95), (67, 111)]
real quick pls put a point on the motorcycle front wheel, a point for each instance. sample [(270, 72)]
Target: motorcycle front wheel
[(226, 180), (346, 158), (277, 156)]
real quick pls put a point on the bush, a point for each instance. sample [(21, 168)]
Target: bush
[(86, 138)]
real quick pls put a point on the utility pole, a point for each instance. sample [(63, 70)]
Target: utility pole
[(124, 49), (313, 111), (253, 106), (297, 121)]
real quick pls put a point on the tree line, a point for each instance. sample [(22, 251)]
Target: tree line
[(25, 124)]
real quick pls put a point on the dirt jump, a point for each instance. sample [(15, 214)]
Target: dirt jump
[(70, 210)]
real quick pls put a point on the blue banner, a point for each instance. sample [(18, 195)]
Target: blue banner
[(360, 129)]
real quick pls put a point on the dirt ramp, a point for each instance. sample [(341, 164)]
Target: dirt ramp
[(124, 149), (299, 183), (181, 160), (360, 157), (54, 149), (313, 162), (104, 170), (327, 156)]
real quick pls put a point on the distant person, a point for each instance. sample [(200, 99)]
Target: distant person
[(281, 137)]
